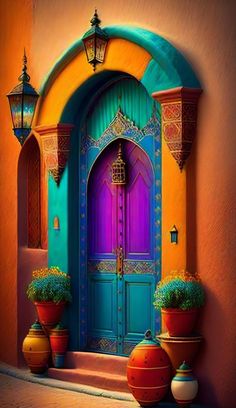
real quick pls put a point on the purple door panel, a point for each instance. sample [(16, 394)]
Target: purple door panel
[(120, 215)]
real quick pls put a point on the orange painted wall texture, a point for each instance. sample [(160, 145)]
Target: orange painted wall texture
[(205, 32)]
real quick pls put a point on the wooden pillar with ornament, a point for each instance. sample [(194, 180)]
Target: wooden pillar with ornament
[(56, 146), (55, 141), (178, 120)]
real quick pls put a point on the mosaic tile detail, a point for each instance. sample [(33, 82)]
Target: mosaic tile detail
[(101, 344), (128, 347), (136, 267)]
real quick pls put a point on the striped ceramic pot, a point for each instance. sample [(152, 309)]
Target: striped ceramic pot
[(184, 386)]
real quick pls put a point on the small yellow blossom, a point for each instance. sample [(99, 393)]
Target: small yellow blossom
[(43, 272), (183, 275)]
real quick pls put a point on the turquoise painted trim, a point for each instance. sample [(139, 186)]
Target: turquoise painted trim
[(168, 63), (184, 379), (58, 239), (169, 60)]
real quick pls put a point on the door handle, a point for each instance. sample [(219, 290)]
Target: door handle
[(119, 261)]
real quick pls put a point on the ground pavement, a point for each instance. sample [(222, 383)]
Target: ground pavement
[(20, 389), (16, 393)]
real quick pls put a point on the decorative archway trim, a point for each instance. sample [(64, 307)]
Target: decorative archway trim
[(166, 62)]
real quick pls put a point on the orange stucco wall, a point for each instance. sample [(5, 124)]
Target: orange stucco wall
[(204, 31), (15, 34)]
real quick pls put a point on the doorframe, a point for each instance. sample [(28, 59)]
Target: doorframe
[(152, 130)]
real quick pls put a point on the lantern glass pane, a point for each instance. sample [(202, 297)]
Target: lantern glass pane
[(28, 109), (90, 48), (16, 107), (100, 49)]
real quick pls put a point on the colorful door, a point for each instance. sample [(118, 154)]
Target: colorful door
[(121, 257)]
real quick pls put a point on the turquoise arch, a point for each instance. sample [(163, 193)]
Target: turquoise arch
[(167, 69)]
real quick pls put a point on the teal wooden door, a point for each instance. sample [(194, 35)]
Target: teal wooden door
[(117, 308), (120, 251)]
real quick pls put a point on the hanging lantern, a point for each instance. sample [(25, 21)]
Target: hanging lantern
[(22, 100), (95, 41), (118, 169)]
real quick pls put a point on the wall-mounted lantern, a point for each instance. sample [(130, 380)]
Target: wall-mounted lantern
[(56, 223), (95, 41), (22, 100), (174, 235)]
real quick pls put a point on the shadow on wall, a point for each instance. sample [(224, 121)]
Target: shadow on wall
[(207, 362), (207, 366), (30, 253)]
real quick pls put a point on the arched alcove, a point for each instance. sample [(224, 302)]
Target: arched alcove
[(29, 193)]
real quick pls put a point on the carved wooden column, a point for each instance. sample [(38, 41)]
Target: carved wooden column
[(179, 119), (56, 147)]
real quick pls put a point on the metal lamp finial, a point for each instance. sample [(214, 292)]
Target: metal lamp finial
[(24, 77), (95, 21)]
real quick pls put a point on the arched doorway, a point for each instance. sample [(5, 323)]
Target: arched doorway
[(119, 222)]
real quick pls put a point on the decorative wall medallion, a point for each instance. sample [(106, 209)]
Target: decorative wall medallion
[(55, 143), (179, 119)]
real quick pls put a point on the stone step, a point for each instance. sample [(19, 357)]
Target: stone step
[(98, 370)]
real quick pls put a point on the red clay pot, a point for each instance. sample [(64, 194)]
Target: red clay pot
[(179, 322), (148, 372), (49, 313), (59, 340)]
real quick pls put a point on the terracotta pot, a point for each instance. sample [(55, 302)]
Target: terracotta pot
[(59, 340), (36, 349), (184, 386), (179, 322), (180, 348), (148, 371), (49, 313)]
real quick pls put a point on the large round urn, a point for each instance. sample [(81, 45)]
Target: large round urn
[(36, 349), (148, 371)]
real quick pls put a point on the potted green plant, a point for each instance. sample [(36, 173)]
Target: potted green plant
[(180, 295), (49, 290)]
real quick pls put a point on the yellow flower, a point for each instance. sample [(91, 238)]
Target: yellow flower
[(43, 272), (183, 275)]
